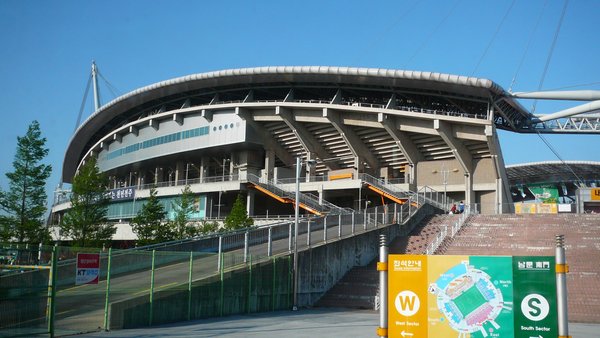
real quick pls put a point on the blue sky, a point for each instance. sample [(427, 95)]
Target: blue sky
[(48, 46)]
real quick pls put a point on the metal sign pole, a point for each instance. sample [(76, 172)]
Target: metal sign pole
[(561, 287), (382, 267)]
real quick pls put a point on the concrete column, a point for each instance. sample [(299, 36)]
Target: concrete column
[(499, 194), (155, 175), (469, 193), (250, 202), (269, 164), (179, 171), (201, 168), (310, 168), (321, 194), (358, 166), (412, 181)]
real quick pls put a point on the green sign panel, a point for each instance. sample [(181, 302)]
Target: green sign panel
[(535, 297), (544, 193), (471, 296)]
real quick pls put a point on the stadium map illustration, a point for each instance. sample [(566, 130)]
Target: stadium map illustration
[(469, 300)]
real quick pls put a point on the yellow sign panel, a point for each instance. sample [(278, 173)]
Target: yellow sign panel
[(407, 303), (595, 194), (438, 266)]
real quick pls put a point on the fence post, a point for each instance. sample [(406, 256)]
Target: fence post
[(219, 257), (189, 313), (52, 292), (325, 229), (376, 216), (402, 213), (382, 267), (152, 289), (222, 291), (106, 299), (270, 243), (308, 231), (250, 284), (340, 226), (561, 287), (290, 237), (273, 284), (353, 224), (365, 220), (246, 246)]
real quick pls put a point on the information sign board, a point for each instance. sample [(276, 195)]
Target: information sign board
[(88, 268), (471, 296)]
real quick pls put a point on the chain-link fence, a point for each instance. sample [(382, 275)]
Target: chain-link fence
[(135, 288), (221, 274)]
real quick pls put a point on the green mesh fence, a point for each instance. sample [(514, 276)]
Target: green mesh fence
[(135, 289), (24, 277)]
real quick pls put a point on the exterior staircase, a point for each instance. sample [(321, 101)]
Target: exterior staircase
[(308, 202), (358, 288)]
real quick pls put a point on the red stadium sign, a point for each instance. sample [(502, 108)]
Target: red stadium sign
[(88, 268)]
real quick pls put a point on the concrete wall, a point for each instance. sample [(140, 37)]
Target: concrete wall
[(486, 201), (321, 267)]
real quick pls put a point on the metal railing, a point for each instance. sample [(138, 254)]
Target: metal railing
[(454, 229), (309, 200), (386, 187)]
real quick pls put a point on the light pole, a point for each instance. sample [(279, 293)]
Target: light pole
[(445, 172), (445, 178), (296, 221), (221, 188)]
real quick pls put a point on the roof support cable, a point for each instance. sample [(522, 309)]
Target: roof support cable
[(558, 156), (399, 19), (575, 86), (87, 91), (110, 87), (428, 38), (493, 37), (512, 83), (560, 21)]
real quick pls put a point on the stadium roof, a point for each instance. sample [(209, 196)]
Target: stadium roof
[(457, 90), (553, 172)]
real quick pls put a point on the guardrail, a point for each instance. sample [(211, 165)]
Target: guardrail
[(454, 229)]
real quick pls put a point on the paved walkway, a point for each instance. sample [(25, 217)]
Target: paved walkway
[(304, 323)]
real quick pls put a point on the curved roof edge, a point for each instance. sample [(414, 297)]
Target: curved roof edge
[(520, 165), (325, 70), (331, 73)]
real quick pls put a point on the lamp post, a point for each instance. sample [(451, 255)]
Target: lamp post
[(296, 222), (221, 188), (445, 178), (445, 172), (296, 216)]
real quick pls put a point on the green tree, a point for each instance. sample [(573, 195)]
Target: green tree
[(208, 227), (85, 222), (148, 223), (238, 217), (24, 204), (184, 207)]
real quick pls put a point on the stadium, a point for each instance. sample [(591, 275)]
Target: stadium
[(220, 132), (372, 151), (364, 137)]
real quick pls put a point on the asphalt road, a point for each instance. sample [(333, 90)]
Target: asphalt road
[(300, 324), (81, 308)]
